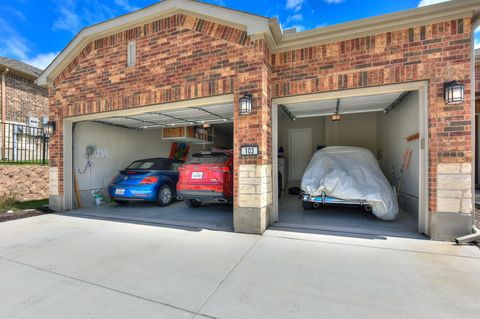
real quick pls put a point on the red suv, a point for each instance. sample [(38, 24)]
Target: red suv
[(207, 177)]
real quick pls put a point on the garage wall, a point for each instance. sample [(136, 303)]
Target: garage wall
[(316, 124), (353, 130), (116, 148), (393, 127)]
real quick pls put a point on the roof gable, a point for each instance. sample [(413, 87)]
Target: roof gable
[(250, 23), (270, 29)]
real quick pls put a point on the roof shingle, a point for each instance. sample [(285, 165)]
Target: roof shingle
[(20, 66)]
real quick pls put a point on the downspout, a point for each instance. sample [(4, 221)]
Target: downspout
[(4, 113)]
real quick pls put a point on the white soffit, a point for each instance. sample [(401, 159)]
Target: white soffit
[(348, 105)]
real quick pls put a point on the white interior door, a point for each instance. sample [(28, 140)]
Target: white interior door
[(300, 152)]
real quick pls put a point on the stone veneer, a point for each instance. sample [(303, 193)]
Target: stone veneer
[(25, 182), (454, 188)]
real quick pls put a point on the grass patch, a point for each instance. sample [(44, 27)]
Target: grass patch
[(23, 163), (31, 204)]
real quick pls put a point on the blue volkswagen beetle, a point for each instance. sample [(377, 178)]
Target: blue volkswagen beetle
[(152, 179)]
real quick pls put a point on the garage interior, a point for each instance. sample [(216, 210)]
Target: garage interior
[(387, 124), (104, 146)]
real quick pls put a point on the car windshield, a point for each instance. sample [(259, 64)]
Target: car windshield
[(151, 164), (208, 158)]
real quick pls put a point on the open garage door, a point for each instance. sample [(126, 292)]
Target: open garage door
[(388, 123), (127, 166)]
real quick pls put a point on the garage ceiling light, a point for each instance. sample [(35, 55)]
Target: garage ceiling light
[(336, 117), (454, 92)]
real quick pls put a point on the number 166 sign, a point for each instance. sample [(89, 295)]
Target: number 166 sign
[(249, 150)]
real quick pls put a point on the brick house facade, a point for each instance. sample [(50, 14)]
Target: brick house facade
[(183, 56), (23, 98)]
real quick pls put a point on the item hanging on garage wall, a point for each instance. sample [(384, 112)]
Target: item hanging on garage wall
[(407, 156), (179, 151)]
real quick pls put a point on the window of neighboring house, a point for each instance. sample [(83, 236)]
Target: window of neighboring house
[(131, 53)]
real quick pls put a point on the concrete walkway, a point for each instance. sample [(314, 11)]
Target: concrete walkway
[(56, 266)]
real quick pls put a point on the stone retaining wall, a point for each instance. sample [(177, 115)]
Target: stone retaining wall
[(25, 182)]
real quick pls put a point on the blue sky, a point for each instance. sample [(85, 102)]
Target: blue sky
[(35, 31)]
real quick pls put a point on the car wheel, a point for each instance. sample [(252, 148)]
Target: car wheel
[(193, 203), (121, 202), (307, 205), (165, 195)]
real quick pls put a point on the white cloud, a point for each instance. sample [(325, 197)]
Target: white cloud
[(424, 3), (14, 46), (125, 5), (333, 1), (73, 16), (68, 19), (294, 18), (219, 2), (294, 5), (41, 60)]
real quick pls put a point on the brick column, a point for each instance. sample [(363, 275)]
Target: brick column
[(253, 175)]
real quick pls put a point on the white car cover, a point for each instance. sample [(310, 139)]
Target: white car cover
[(351, 173)]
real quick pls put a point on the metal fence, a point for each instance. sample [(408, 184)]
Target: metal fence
[(22, 144)]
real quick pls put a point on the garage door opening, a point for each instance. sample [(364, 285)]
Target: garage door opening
[(389, 126), (142, 156)]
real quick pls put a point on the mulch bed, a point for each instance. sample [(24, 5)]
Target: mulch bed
[(21, 214)]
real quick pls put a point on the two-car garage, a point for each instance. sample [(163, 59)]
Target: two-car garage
[(387, 121)]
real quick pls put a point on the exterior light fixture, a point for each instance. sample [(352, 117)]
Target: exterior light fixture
[(454, 92), (336, 117), (49, 128), (245, 104)]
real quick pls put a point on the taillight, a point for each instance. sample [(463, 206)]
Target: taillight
[(149, 180), (224, 169)]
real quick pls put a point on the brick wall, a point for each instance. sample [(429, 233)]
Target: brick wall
[(23, 99), (437, 53), (182, 57), (178, 58), (25, 182)]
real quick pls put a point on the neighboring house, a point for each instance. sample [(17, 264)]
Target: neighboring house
[(22, 99), (24, 109), (181, 54)]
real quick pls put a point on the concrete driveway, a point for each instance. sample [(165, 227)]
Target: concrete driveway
[(57, 266)]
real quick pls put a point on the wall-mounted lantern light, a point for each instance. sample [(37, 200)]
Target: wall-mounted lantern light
[(50, 128), (454, 92), (245, 104)]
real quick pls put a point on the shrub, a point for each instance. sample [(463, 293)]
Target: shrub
[(7, 200)]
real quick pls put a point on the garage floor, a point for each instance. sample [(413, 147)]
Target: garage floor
[(344, 220), (208, 216)]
